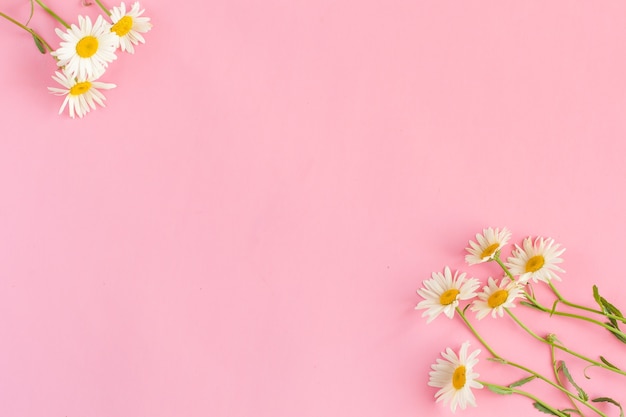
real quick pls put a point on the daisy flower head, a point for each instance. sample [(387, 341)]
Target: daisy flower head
[(495, 298), (81, 95), (455, 377), (536, 260), (86, 49), (442, 293), (487, 244), (128, 26)]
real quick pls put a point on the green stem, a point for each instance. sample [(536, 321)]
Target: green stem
[(523, 368), (503, 266), (525, 394), (53, 14), (543, 308), (99, 3), (561, 347), (477, 335), (29, 30)]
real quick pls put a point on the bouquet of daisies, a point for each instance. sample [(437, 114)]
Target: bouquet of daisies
[(536, 262), (86, 50)]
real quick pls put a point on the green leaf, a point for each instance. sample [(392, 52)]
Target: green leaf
[(607, 363), (581, 394), (571, 410), (556, 302), (498, 389), (608, 308), (531, 305), (522, 381), (40, 46), (616, 331), (611, 308), (499, 360), (544, 409), (596, 296), (612, 401)]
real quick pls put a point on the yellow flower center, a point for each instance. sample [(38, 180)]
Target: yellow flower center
[(80, 88), (535, 263), (448, 297), (87, 46), (489, 250), (497, 298), (123, 26), (458, 379)]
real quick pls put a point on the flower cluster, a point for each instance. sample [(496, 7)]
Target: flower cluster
[(536, 261), (87, 49)]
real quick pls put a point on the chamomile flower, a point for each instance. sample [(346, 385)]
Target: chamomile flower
[(536, 260), (455, 377), (489, 242), (495, 298), (442, 293), (128, 26), (86, 49), (81, 95)]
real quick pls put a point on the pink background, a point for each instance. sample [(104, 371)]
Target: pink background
[(241, 231)]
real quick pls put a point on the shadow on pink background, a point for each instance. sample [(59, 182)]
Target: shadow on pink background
[(241, 231)]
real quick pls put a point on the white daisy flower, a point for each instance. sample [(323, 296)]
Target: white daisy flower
[(536, 261), (489, 242), (87, 49), (455, 377), (442, 293), (81, 95), (495, 298), (128, 26)]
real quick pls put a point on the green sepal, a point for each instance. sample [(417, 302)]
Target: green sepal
[(612, 401)]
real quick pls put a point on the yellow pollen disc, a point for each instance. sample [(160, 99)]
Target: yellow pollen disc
[(448, 297), (123, 26), (87, 46), (80, 88), (497, 298), (489, 250), (535, 263), (458, 379)]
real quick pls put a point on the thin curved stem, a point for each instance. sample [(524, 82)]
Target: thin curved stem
[(29, 30), (561, 347), (53, 14), (524, 368)]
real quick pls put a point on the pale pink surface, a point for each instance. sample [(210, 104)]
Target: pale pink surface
[(241, 231)]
